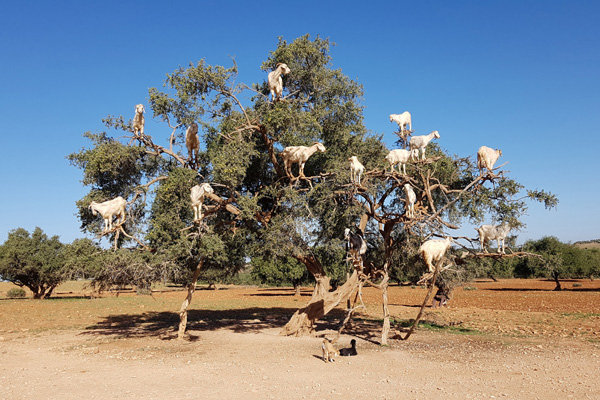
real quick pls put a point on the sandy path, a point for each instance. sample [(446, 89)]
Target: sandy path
[(262, 365)]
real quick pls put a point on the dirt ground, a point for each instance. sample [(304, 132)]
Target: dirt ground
[(508, 339)]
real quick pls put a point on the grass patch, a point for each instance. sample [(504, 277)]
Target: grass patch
[(579, 315), (16, 293), (432, 326)]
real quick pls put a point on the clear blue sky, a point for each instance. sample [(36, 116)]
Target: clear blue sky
[(523, 76)]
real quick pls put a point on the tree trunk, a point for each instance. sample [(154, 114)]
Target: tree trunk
[(303, 320), (558, 288), (385, 330), (386, 232), (47, 292), (184, 306)]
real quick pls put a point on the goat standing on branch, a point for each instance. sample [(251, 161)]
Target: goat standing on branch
[(108, 210), (487, 157), (299, 155), (493, 232), (355, 168), (276, 82), (420, 142), (402, 120), (401, 156), (197, 195), (192, 143), (138, 120), (410, 200), (433, 250), (355, 243)]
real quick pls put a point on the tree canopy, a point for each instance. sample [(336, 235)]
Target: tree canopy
[(34, 260), (259, 212)]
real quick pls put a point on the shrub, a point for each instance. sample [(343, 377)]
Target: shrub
[(16, 293), (469, 288)]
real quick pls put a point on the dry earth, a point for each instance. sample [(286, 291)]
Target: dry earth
[(513, 339)]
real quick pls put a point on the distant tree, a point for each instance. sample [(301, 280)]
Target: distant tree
[(557, 260), (279, 271), (82, 258), (33, 260)]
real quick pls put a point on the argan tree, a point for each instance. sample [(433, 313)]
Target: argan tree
[(257, 209), (34, 260)]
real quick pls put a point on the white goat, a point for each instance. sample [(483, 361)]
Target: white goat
[(299, 155), (138, 120), (487, 157), (411, 198), (192, 142), (433, 250), (493, 232), (402, 120), (420, 142), (275, 82), (355, 168), (401, 156), (197, 194), (108, 210)]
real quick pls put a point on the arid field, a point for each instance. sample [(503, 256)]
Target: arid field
[(507, 339)]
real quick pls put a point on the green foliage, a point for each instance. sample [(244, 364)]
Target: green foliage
[(279, 271), (33, 260), (16, 293), (231, 160), (558, 260), (171, 210), (131, 267), (111, 169), (81, 259), (277, 222)]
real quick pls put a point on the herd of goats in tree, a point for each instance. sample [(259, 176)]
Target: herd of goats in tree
[(432, 251)]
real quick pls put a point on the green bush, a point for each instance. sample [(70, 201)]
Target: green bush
[(15, 293)]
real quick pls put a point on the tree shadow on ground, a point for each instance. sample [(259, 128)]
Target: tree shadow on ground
[(164, 324), (280, 292), (564, 289), (368, 330)]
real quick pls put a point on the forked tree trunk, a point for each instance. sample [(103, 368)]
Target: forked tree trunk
[(322, 301), (184, 306), (303, 320)]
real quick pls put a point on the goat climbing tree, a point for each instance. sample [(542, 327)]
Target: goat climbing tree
[(257, 210)]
